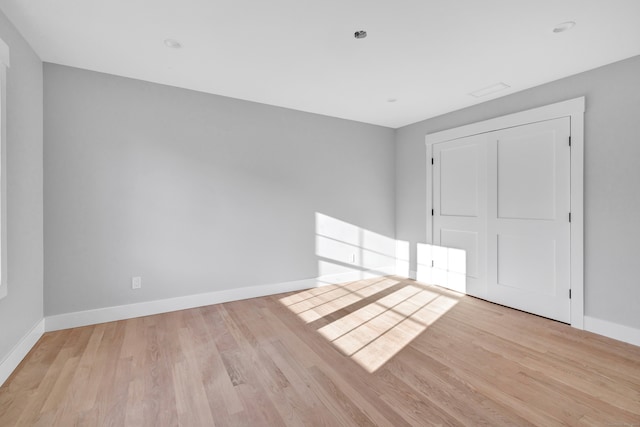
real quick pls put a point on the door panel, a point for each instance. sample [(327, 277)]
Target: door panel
[(528, 230), (518, 254), (459, 175), (460, 215), (464, 261), (527, 176)]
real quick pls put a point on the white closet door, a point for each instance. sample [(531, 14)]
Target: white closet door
[(501, 226), (528, 229), (459, 217)]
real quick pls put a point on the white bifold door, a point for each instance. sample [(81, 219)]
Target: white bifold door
[(501, 224)]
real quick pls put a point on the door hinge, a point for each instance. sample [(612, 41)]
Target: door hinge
[(569, 141), (432, 160), (432, 264), (431, 212), (569, 293), (569, 216)]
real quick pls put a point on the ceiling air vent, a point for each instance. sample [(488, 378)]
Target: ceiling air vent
[(489, 90)]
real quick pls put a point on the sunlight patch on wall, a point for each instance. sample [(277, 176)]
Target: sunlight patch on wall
[(442, 266), (344, 248), (402, 258)]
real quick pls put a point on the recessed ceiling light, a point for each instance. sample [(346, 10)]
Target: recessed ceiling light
[(360, 34), (565, 26), (173, 44), (489, 90), (392, 100)]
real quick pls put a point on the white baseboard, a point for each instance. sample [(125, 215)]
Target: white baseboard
[(612, 330), (413, 274), (129, 311), (15, 356)]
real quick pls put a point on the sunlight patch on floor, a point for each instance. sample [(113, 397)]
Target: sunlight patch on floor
[(321, 305), (387, 344), (373, 334)]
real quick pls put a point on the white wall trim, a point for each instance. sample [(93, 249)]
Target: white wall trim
[(612, 330), (129, 311), (15, 356), (547, 112), (4, 63), (574, 109), (4, 53)]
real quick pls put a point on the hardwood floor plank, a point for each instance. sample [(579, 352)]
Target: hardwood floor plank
[(419, 409), (379, 352), (32, 410), (134, 406), (224, 399), (159, 403), (41, 358), (300, 381), (432, 377), (435, 393)]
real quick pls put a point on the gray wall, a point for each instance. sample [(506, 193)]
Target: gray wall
[(193, 192), (612, 179), (22, 308)]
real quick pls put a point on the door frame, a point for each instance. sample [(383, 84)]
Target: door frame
[(574, 109)]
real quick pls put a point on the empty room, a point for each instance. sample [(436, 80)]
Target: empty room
[(330, 213)]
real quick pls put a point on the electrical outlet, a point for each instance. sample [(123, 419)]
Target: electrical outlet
[(136, 282)]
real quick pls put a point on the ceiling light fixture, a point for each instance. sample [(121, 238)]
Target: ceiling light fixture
[(360, 34), (489, 90), (565, 26), (173, 44)]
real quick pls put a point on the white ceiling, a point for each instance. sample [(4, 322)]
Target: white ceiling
[(301, 54)]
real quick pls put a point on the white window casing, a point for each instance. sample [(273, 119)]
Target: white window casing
[(4, 65)]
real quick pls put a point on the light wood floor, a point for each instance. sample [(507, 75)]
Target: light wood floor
[(385, 351)]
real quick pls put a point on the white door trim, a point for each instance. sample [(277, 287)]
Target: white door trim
[(574, 109)]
